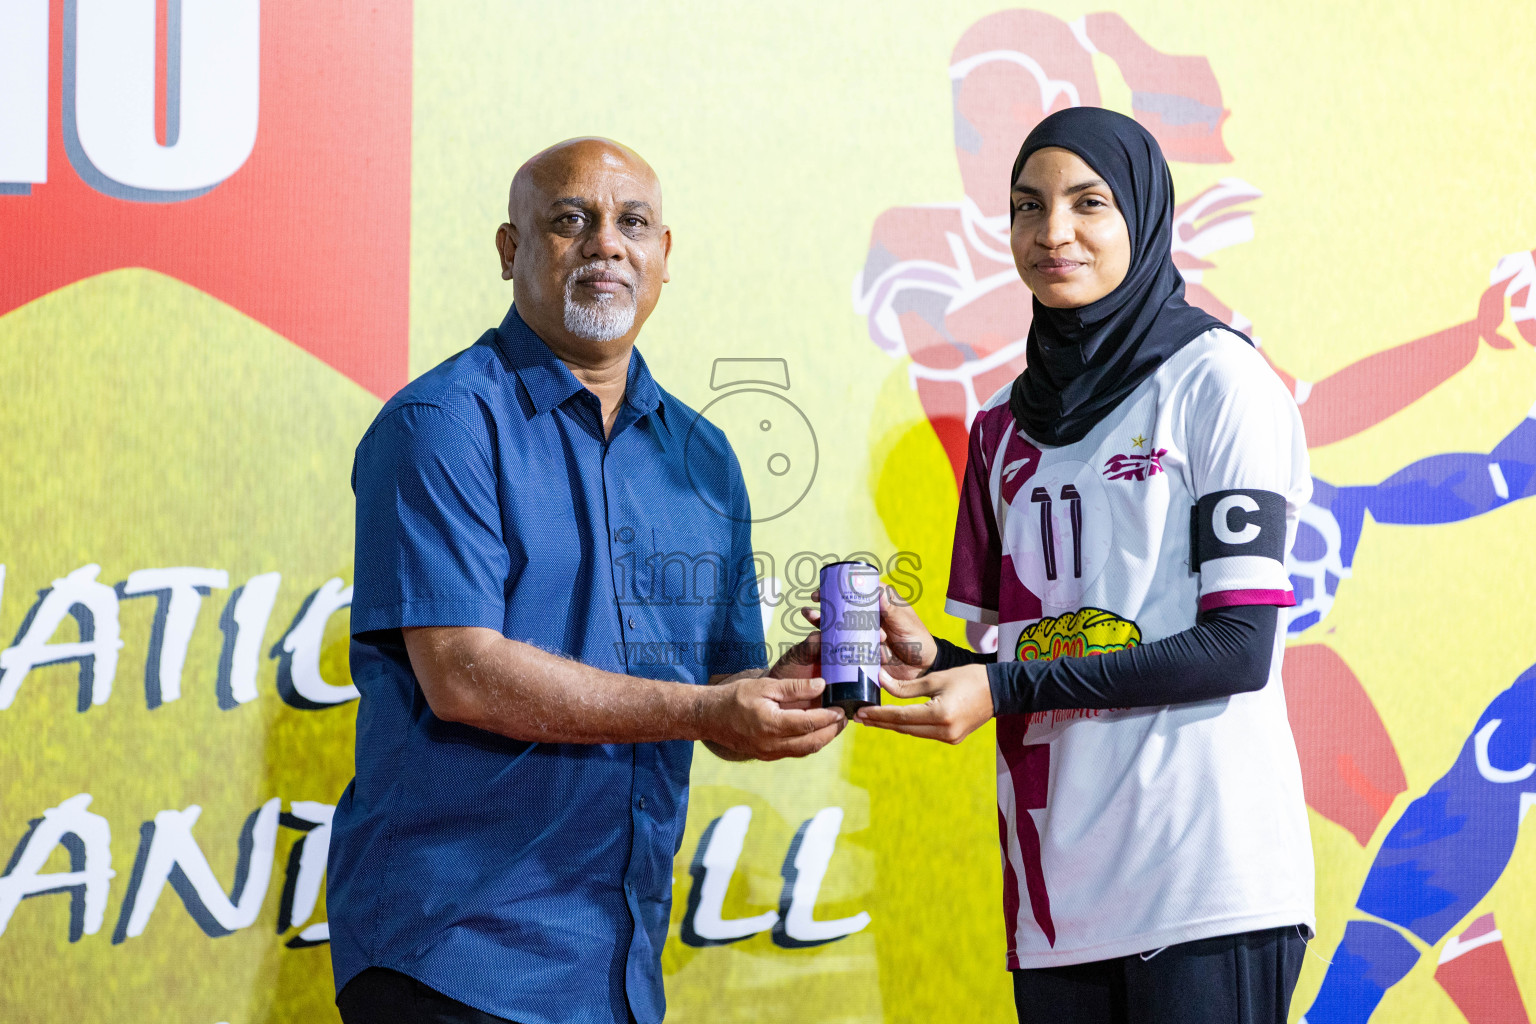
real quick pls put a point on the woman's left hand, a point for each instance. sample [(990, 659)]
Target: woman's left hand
[(959, 701)]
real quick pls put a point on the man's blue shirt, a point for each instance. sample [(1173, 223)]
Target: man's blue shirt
[(530, 880)]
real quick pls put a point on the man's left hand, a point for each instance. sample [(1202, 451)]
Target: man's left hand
[(959, 701)]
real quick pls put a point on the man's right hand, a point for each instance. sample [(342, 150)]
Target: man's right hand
[(755, 717)]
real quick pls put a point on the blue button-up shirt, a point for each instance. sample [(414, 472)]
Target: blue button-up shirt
[(530, 880)]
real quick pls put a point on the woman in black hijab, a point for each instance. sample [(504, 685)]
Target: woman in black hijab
[(1124, 519), (1083, 359)]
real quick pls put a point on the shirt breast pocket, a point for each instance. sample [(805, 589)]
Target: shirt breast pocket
[(690, 569), (684, 602)]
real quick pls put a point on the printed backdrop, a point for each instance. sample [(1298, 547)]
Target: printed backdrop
[(232, 229)]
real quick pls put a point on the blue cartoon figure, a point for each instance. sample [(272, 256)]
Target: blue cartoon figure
[(1450, 845)]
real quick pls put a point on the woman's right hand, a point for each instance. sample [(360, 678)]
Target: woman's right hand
[(907, 649)]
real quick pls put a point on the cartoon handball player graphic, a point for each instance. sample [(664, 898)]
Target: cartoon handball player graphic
[(1450, 845), (939, 286)]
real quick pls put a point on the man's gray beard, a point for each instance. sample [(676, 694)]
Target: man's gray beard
[(600, 320)]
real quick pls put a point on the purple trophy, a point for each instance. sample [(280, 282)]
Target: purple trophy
[(850, 635)]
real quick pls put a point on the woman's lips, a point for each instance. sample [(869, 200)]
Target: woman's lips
[(1056, 268)]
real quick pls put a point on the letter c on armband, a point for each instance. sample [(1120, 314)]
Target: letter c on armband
[(1225, 524)]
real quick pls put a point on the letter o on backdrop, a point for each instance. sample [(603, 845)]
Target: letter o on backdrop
[(212, 86)]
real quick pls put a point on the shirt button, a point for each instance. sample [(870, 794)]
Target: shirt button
[(640, 803), (631, 622)]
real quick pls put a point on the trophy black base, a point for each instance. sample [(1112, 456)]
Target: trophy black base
[(861, 693)]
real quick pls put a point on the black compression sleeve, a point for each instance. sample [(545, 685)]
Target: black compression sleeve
[(953, 656), (1227, 651)]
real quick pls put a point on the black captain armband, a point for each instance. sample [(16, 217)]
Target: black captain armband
[(1230, 523)]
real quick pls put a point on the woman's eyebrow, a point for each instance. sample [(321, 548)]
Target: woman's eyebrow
[(1071, 190)]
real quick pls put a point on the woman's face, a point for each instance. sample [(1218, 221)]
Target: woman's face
[(1069, 238)]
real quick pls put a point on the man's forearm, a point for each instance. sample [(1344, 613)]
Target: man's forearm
[(478, 677), (517, 690)]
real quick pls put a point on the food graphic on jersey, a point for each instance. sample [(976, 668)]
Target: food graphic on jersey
[(1084, 632)]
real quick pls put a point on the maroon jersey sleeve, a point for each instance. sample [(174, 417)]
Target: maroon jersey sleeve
[(978, 552)]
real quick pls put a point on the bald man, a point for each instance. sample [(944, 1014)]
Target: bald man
[(543, 590)]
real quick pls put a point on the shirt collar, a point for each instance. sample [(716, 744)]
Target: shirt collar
[(550, 382), (641, 392)]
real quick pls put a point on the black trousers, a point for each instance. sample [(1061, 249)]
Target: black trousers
[(1232, 979), (381, 996)]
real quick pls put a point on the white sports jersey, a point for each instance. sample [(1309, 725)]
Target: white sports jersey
[(1125, 831)]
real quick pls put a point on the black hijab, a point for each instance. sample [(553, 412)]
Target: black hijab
[(1082, 362)]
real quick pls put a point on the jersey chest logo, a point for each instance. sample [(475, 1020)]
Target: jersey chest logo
[(1141, 461), (1135, 466), (1058, 532)]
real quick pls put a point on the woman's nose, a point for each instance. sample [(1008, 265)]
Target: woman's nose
[(1057, 229)]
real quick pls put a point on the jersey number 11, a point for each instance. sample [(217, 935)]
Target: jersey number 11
[(1069, 494)]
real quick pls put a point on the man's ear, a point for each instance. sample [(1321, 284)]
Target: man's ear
[(666, 253), (506, 248)]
